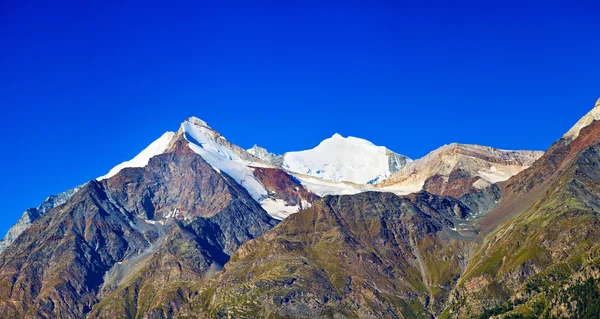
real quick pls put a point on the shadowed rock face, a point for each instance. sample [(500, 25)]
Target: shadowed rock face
[(177, 212)]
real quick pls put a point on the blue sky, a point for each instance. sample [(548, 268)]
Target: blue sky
[(86, 85)]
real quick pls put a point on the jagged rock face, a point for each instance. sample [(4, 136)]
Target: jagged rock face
[(396, 161), (263, 154), (31, 214), (177, 214), (369, 255), (458, 169)]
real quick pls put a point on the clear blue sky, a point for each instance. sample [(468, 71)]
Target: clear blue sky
[(86, 85)]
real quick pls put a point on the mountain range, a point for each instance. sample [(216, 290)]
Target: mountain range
[(195, 226)]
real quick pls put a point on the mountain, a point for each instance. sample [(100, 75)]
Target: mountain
[(339, 159), (347, 159), (452, 170), (370, 255), (155, 148), (31, 214), (190, 229), (279, 193), (279, 198), (343, 166), (458, 169), (540, 259), (177, 214)]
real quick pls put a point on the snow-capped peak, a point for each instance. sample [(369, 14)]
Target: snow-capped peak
[(197, 122), (155, 148), (222, 155), (348, 159), (593, 115)]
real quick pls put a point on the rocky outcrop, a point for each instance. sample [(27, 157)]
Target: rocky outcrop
[(263, 154), (396, 161)]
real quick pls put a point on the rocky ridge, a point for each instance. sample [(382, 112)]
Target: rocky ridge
[(32, 214)]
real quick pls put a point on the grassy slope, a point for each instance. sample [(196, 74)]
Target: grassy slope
[(533, 259)]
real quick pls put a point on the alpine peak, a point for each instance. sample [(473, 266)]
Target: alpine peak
[(198, 122)]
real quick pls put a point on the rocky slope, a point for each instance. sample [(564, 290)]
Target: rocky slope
[(370, 255), (545, 251), (459, 169), (32, 214)]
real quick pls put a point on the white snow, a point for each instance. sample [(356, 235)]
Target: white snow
[(403, 189), (205, 142), (338, 158), (155, 148), (494, 176), (323, 187), (277, 208)]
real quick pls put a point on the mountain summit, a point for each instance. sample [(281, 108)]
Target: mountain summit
[(349, 159)]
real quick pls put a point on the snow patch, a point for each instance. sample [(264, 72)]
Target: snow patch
[(155, 148), (278, 208), (323, 187)]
